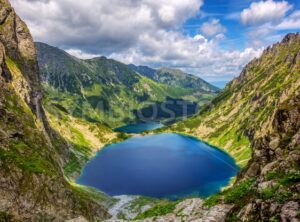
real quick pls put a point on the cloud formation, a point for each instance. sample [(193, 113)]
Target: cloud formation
[(291, 22), (264, 11), (212, 28), (106, 25), (144, 32)]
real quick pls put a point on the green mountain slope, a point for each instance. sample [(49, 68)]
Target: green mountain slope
[(143, 70), (175, 77), (104, 90), (245, 108), (32, 184), (268, 188)]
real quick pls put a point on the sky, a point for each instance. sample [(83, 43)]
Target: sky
[(213, 39)]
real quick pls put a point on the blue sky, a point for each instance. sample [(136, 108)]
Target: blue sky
[(213, 39), (228, 12)]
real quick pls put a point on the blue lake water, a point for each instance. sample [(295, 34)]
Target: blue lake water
[(139, 127), (169, 166)]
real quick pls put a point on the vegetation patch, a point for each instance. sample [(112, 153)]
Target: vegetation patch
[(238, 193), (93, 194), (213, 200), (158, 210), (269, 193), (235, 195)]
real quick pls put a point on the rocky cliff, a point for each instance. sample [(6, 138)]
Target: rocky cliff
[(32, 185), (275, 167)]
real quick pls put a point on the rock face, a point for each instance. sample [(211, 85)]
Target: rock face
[(276, 191), (32, 185), (19, 47), (191, 210)]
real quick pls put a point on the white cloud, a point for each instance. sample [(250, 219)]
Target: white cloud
[(268, 33), (264, 12), (233, 16), (144, 32), (193, 54), (80, 54), (212, 28), (102, 26), (291, 22)]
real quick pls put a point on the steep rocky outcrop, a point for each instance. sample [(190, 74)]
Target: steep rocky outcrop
[(275, 165), (32, 185), (19, 47)]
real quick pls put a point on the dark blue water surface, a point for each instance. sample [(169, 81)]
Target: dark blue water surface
[(165, 166), (139, 127)]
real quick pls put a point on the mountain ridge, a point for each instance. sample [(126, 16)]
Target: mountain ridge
[(175, 77), (107, 81)]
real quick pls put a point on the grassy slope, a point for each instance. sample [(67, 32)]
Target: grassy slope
[(247, 104), (114, 105), (85, 138), (25, 152), (104, 90), (179, 78), (175, 78)]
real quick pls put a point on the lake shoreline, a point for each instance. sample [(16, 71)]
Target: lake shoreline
[(156, 156)]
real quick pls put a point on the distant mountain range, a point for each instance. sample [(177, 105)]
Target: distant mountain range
[(105, 87), (175, 77)]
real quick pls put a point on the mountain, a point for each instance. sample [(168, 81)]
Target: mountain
[(257, 120), (32, 185), (67, 73), (143, 70), (245, 108), (109, 91), (175, 77)]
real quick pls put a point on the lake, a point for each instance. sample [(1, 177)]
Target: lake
[(139, 127), (166, 165)]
